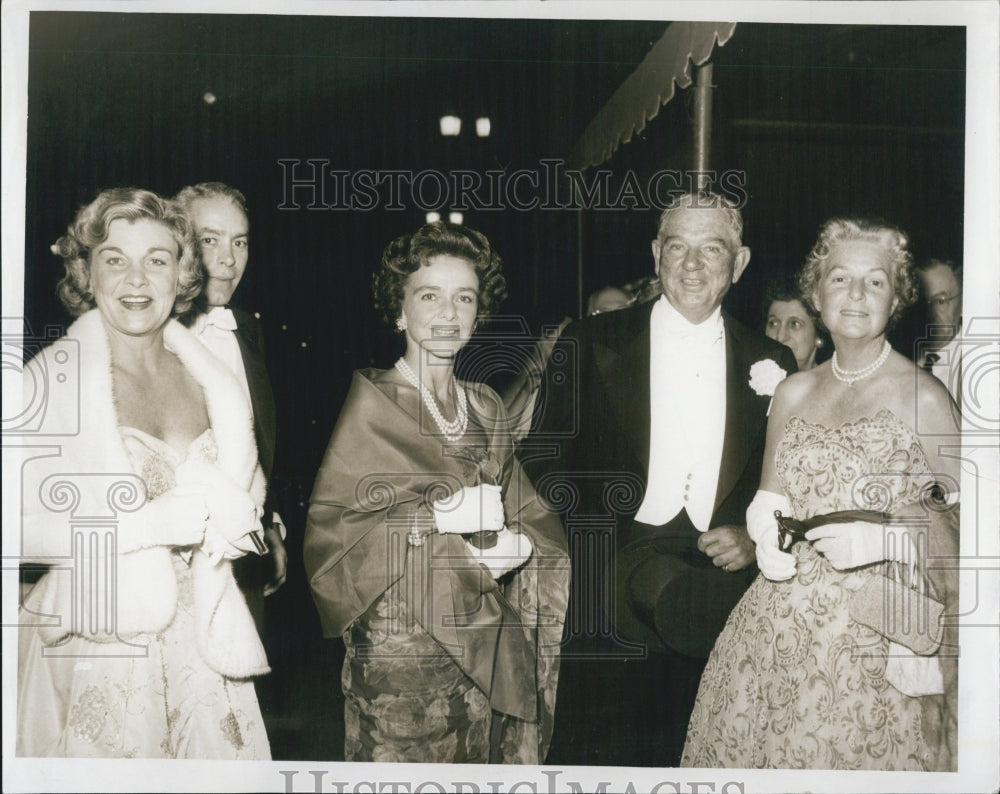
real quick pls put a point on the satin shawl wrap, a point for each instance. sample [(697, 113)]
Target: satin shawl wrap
[(385, 464)]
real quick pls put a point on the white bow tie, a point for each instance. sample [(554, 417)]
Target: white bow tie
[(222, 318), (684, 334)]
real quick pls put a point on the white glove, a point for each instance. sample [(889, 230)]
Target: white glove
[(175, 518), (860, 543), (511, 551), (762, 526), (475, 509), (233, 517)]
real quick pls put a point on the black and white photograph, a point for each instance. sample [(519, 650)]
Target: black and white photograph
[(609, 400)]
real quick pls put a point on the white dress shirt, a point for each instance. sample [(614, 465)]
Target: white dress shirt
[(947, 366), (687, 390), (216, 330)]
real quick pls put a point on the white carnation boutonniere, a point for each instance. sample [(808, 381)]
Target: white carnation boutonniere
[(765, 375)]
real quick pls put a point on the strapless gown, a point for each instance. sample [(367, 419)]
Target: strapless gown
[(165, 704), (793, 682)]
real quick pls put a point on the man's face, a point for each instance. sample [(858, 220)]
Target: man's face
[(943, 294), (223, 236), (698, 259)]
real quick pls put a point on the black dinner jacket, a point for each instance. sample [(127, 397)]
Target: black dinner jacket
[(593, 417)]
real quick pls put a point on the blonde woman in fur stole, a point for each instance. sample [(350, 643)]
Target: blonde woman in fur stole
[(137, 643)]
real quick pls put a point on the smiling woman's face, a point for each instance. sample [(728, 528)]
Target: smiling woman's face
[(440, 305), (856, 295), (133, 276)]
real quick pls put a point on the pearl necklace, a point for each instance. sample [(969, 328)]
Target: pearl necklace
[(453, 431), (850, 377)]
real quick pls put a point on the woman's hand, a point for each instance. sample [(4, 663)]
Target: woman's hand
[(175, 518), (762, 526), (232, 514), (470, 509), (511, 551), (858, 543)]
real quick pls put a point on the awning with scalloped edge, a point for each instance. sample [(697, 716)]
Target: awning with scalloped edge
[(648, 88)]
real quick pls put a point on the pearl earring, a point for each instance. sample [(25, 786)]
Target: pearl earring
[(401, 324)]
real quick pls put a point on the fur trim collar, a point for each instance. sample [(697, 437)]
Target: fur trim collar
[(226, 636)]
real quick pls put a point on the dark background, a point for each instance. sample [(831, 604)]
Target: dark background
[(821, 120)]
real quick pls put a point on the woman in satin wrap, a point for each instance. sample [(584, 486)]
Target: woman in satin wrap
[(452, 649)]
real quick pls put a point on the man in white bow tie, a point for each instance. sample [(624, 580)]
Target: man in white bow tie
[(218, 214), (658, 413)]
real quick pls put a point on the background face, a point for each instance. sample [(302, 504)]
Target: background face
[(789, 323), (943, 295), (222, 232)]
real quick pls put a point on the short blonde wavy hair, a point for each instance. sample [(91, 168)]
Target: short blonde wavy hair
[(893, 240), (90, 228)]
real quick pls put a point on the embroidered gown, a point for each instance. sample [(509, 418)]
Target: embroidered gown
[(166, 703), (793, 681)]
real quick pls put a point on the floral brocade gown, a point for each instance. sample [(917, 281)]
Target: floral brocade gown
[(793, 682), (406, 699), (165, 703)]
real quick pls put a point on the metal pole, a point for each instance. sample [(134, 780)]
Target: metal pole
[(703, 124), (579, 254)]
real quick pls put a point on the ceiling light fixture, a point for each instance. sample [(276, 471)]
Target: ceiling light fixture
[(450, 125)]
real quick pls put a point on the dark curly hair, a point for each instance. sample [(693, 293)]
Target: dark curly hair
[(408, 253), (893, 240), (90, 228), (785, 288)]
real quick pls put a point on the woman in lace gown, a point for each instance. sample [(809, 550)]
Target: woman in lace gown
[(426, 546), (794, 681), (136, 643)]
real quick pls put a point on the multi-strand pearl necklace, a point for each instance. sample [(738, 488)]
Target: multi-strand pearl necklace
[(453, 431), (852, 376)]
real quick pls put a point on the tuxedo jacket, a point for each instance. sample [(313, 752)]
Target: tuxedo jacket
[(589, 457)]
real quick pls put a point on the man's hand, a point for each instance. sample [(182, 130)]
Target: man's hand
[(272, 537), (729, 546)]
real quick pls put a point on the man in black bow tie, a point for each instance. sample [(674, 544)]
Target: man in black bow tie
[(658, 413), (218, 214)]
